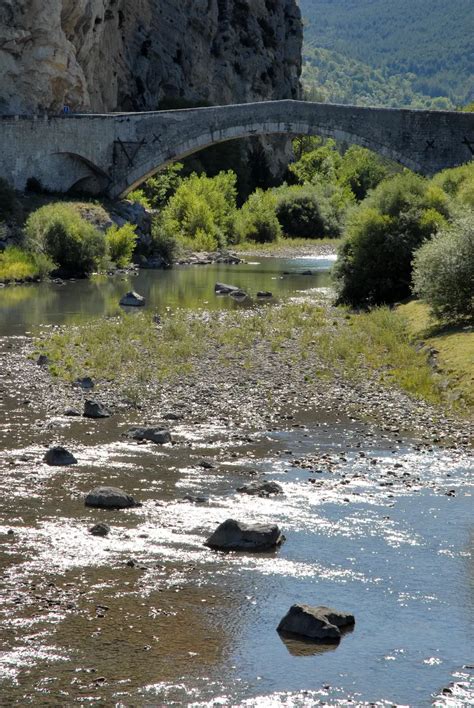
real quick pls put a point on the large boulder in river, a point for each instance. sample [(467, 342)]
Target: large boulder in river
[(318, 623), (59, 457), (132, 299), (261, 489), (94, 409), (110, 498), (159, 436), (233, 535)]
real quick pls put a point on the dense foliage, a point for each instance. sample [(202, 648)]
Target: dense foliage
[(201, 212), (374, 265), (428, 42), (332, 77), (257, 220), (74, 245), (156, 191), (443, 271), (310, 211), (120, 242), (16, 264)]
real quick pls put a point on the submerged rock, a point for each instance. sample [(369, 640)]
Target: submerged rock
[(59, 457), (206, 464), (239, 294), (159, 436), (100, 530), (132, 299), (233, 535), (85, 383), (72, 412), (315, 622), (261, 489), (264, 294), (94, 409), (110, 498), (224, 289)]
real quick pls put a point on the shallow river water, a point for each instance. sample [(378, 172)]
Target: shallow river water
[(149, 616)]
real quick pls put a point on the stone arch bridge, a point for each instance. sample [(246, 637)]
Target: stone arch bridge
[(111, 154)]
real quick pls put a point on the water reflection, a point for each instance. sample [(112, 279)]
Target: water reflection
[(25, 306)]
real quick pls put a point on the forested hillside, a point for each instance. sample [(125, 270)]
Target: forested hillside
[(422, 49)]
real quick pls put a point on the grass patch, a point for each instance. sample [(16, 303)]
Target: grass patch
[(132, 352), (16, 264), (455, 347)]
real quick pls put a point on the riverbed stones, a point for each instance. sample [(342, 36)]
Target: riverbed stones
[(234, 535), (132, 299), (58, 456), (110, 498), (100, 530), (264, 488), (94, 409), (159, 436), (318, 623)]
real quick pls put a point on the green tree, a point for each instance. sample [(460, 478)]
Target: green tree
[(443, 271), (257, 220), (201, 213), (362, 170), (375, 261)]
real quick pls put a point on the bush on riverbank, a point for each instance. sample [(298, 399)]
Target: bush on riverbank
[(311, 211), (443, 272), (458, 183), (121, 241), (201, 213), (257, 221), (157, 191), (58, 232), (375, 261), (17, 264)]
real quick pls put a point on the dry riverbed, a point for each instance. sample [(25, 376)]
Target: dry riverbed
[(372, 477)]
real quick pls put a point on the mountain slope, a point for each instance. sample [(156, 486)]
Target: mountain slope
[(428, 42)]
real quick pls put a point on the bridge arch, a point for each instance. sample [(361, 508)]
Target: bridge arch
[(419, 140)]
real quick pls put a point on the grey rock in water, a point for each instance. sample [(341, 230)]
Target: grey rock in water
[(264, 294), (85, 383), (132, 299), (72, 412), (206, 464), (261, 489), (159, 436), (233, 535), (224, 289), (318, 623), (94, 409), (195, 499), (110, 498), (59, 457), (100, 530), (238, 294)]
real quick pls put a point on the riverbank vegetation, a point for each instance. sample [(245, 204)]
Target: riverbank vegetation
[(131, 352)]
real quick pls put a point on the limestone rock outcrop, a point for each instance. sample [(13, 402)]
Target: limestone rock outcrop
[(109, 55)]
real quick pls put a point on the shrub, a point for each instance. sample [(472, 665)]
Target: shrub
[(202, 211), (311, 211), (324, 161), (16, 264), (163, 244), (361, 170), (257, 220), (374, 265), (60, 233), (121, 243), (443, 271), (453, 181)]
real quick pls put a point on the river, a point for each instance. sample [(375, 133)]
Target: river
[(378, 524)]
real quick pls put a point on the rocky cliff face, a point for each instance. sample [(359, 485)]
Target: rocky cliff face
[(107, 55)]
